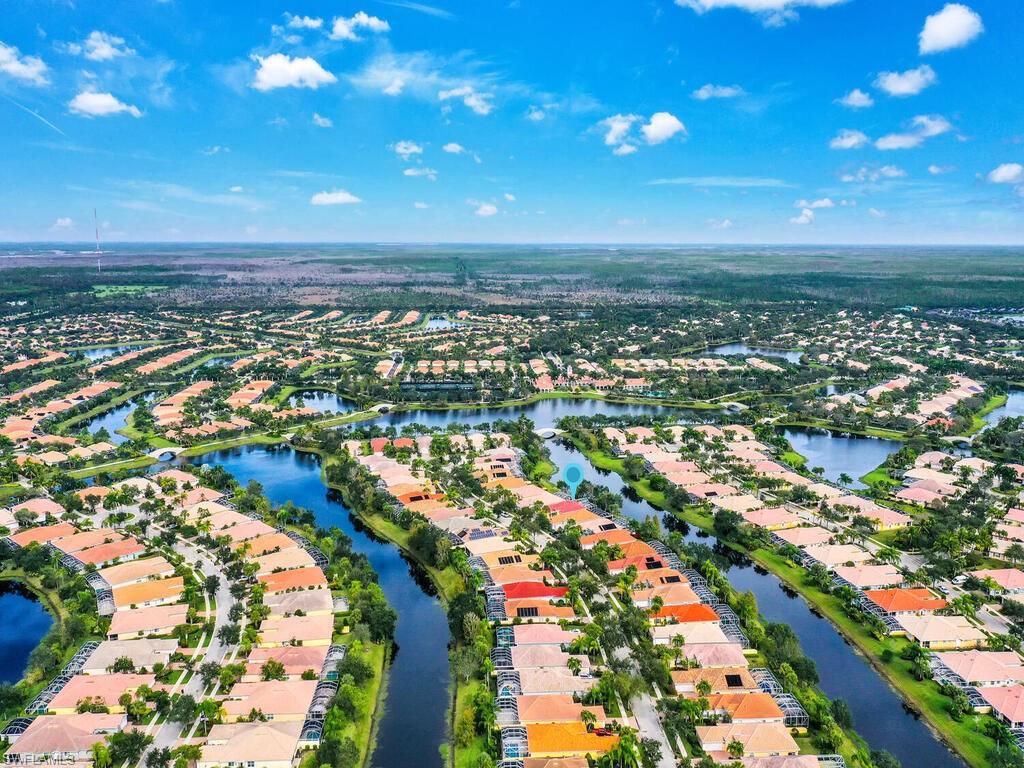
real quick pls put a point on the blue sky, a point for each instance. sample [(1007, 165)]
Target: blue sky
[(647, 121)]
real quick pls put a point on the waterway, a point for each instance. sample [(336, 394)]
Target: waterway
[(742, 348), (413, 726), (441, 324), (26, 622), (1013, 408), (322, 401), (100, 352), (116, 418), (878, 713), (838, 454)]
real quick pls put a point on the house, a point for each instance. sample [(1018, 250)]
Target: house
[(290, 630), (834, 555), (102, 689), (66, 738), (942, 633), (144, 653), (566, 740), (1007, 703), (771, 518), (145, 594), (136, 571), (721, 679), (745, 707), (807, 536), (253, 745), (296, 660), (1009, 581), (758, 739), (542, 634), (554, 708), (554, 680), (277, 700), (984, 669), (900, 602), (139, 622), (870, 576)]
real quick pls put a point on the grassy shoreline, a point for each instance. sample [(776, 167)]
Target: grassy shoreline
[(924, 697)]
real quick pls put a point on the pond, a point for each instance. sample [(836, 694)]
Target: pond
[(116, 418), (1013, 408), (839, 454), (878, 713), (413, 724), (25, 622), (742, 348), (322, 401), (100, 352), (543, 413), (440, 324)]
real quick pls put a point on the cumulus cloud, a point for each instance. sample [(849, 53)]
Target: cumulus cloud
[(26, 69), (535, 114), (825, 202), (346, 28), (953, 27), (482, 209), (661, 127), (304, 22), (236, 189), (1007, 173), (711, 91), (624, 149), (909, 83), (453, 148), (720, 223), (406, 149), (418, 171), (100, 46), (322, 122), (864, 173), (849, 139), (938, 170), (922, 127), (96, 104), (64, 222), (278, 70), (773, 13), (334, 197), (478, 102), (617, 128), (509, 197), (215, 149), (856, 99), (806, 216), (420, 206), (876, 213)]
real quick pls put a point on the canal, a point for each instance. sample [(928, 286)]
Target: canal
[(116, 418), (413, 726), (25, 623), (878, 713)]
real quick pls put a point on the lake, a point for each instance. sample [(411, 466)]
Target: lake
[(856, 456), (742, 348), (322, 401), (25, 622)]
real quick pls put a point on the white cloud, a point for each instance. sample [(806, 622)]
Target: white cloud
[(406, 149), (95, 104), (423, 171), (738, 182), (773, 13), (453, 148), (216, 149), (877, 214), (27, 69), (322, 122), (279, 70), (510, 197), (720, 223), (825, 202), (482, 209), (394, 88), (864, 173), (64, 222), (478, 102), (420, 206), (100, 46), (535, 114), (806, 217), (856, 99), (334, 197), (922, 127), (952, 27), (661, 127), (909, 83), (624, 149), (849, 139), (617, 128), (938, 170), (236, 189), (1007, 173), (711, 91), (345, 29), (304, 22)]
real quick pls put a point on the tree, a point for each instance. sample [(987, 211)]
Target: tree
[(123, 664), (574, 665), (128, 746), (735, 749), (273, 670), (100, 755), (159, 758), (209, 671), (183, 710)]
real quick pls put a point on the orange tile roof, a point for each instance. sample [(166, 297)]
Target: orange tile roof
[(687, 613), (745, 706), (148, 591), (566, 739), (299, 578), (905, 600)]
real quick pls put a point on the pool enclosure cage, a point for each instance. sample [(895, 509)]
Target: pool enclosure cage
[(513, 742), (793, 713), (509, 683), (335, 655), (507, 710), (40, 703), (505, 637)]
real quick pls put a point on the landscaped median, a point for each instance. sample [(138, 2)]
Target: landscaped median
[(964, 736)]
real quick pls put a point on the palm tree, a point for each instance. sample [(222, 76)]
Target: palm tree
[(100, 755), (589, 719), (574, 665), (735, 749)]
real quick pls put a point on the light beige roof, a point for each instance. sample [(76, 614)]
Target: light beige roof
[(936, 629), (239, 743), (65, 733), (275, 697)]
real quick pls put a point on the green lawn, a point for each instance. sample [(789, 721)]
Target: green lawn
[(363, 730), (111, 291), (467, 756)]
